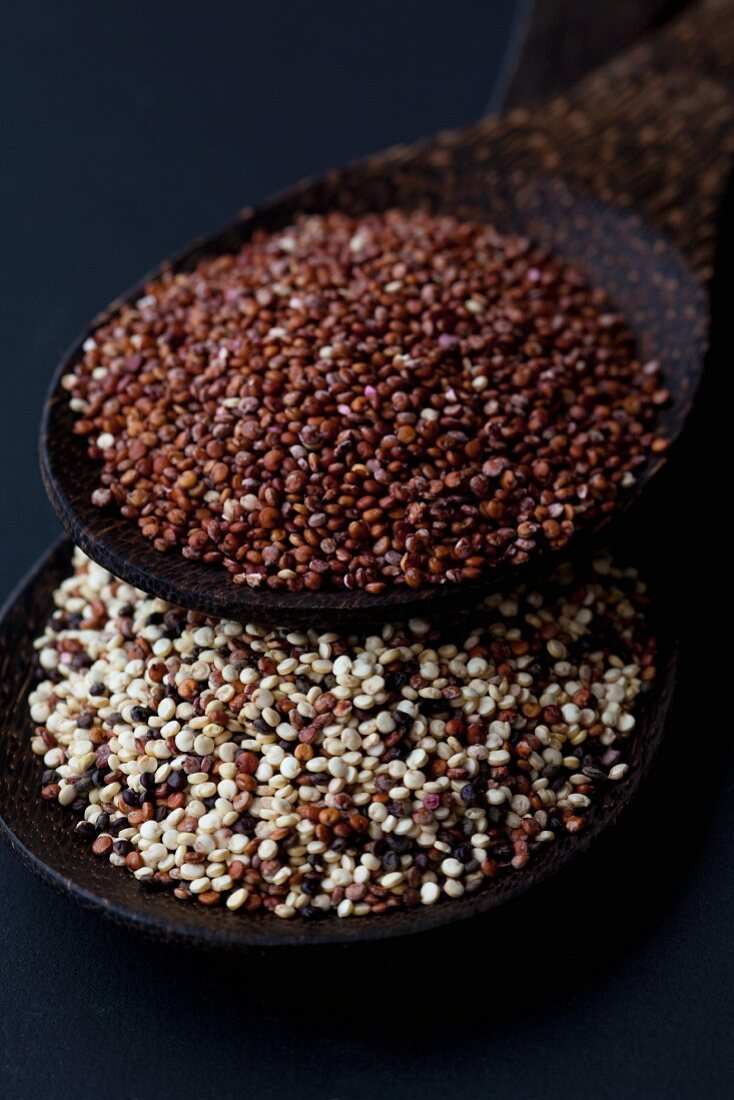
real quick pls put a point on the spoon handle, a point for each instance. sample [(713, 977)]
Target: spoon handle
[(652, 130), (562, 41)]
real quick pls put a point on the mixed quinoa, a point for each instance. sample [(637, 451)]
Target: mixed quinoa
[(309, 773)]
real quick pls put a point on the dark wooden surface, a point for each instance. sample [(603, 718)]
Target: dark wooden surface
[(42, 833), (653, 131)]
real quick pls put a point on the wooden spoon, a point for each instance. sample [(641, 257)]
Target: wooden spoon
[(623, 177), (41, 834)]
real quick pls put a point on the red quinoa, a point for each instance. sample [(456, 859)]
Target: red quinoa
[(395, 399)]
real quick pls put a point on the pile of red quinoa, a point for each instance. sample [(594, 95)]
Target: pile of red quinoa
[(389, 400)]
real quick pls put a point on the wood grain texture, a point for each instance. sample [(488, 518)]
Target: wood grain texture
[(606, 176), (651, 131), (42, 833), (561, 41)]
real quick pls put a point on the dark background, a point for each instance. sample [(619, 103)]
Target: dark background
[(128, 129)]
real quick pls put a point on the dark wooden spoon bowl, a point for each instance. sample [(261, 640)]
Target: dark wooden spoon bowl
[(42, 834), (621, 177)]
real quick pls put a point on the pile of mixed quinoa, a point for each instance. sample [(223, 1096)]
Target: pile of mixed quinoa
[(310, 773)]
